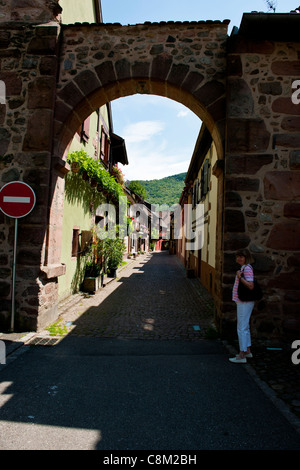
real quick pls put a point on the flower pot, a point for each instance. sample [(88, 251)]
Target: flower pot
[(92, 284), (93, 182), (85, 176), (75, 167), (112, 272)]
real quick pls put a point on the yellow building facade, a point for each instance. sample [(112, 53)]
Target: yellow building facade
[(199, 213), (95, 138)]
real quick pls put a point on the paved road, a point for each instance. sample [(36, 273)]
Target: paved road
[(91, 393), (125, 393)]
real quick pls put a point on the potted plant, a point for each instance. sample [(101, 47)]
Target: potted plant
[(92, 277), (93, 266), (113, 253)]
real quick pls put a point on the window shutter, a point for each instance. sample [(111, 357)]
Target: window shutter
[(85, 130)]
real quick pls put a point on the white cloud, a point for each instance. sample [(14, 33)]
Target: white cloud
[(159, 133), (152, 160), (183, 113), (142, 131)]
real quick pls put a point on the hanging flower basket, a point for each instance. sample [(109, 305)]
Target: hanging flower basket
[(75, 167), (99, 188), (93, 183), (85, 176), (118, 175)]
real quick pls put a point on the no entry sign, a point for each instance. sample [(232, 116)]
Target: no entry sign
[(17, 199)]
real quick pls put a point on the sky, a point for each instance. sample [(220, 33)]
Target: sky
[(160, 134)]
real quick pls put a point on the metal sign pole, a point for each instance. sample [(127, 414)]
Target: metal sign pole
[(12, 324), (17, 199)]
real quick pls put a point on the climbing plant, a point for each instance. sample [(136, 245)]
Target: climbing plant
[(96, 173)]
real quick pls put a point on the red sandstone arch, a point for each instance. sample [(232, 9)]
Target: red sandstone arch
[(118, 66), (182, 78), (185, 62)]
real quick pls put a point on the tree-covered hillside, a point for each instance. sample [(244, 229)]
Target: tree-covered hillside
[(164, 191)]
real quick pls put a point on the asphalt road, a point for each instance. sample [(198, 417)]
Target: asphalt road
[(117, 394)]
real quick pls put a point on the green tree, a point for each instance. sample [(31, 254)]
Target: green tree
[(165, 190), (137, 188)]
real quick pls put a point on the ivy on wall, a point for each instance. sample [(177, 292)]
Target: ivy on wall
[(93, 171)]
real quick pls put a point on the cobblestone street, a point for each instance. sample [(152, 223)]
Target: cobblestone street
[(151, 298)]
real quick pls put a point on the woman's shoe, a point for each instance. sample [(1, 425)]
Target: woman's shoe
[(238, 360), (247, 355)]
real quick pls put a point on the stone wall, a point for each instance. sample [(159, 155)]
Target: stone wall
[(30, 11), (262, 189), (28, 66)]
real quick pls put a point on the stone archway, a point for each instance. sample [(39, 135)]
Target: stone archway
[(65, 74), (184, 62)]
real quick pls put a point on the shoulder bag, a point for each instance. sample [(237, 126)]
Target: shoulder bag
[(248, 295)]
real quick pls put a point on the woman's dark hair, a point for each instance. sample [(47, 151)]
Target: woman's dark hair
[(246, 253)]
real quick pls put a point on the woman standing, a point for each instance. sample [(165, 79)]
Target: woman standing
[(244, 309)]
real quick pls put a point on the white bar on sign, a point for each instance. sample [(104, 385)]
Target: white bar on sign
[(16, 199)]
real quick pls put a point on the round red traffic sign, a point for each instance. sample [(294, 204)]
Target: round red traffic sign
[(17, 199)]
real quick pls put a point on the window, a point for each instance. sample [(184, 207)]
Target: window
[(75, 243), (195, 193), (105, 146), (85, 130), (86, 240), (205, 178)]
